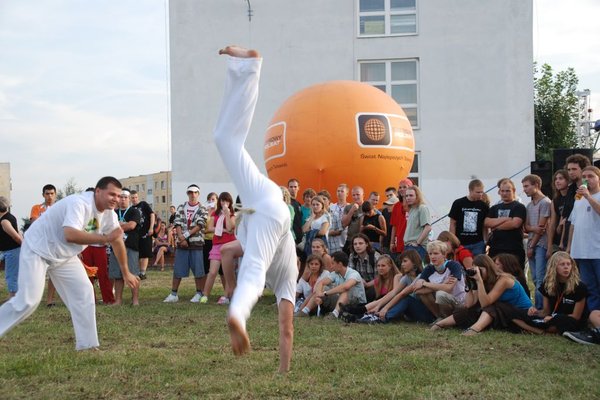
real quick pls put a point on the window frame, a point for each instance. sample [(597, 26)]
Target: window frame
[(389, 83), (387, 14)]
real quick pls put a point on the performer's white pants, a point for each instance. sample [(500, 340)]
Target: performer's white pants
[(71, 283), (265, 236)]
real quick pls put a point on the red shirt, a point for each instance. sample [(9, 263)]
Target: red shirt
[(226, 237), (399, 221)]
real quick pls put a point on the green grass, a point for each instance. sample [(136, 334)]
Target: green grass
[(181, 351)]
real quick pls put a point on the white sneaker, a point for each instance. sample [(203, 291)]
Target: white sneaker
[(196, 298), (223, 301), (171, 298)]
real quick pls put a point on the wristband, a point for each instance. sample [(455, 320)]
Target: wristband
[(186, 235)]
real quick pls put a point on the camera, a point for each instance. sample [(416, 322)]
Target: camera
[(471, 272)]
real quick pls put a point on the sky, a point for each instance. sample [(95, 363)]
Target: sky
[(84, 85)]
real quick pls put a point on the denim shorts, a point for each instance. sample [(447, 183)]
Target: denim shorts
[(187, 260)]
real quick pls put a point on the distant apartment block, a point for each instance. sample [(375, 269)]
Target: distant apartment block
[(155, 189)]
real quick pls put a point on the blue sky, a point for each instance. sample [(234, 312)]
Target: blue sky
[(83, 85)]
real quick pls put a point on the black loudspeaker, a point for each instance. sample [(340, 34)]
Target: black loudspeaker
[(543, 169), (560, 156)]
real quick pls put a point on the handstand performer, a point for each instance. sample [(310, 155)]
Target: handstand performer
[(264, 234)]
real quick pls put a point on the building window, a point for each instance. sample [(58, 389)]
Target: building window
[(143, 187), (164, 199), (156, 198), (162, 185), (137, 188), (413, 175), (387, 17), (399, 79), (150, 192)]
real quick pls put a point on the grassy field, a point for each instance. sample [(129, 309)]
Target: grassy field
[(181, 351)]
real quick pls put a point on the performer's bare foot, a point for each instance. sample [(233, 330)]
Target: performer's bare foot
[(240, 343), (240, 52)]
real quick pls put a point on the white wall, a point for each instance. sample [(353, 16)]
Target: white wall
[(475, 88)]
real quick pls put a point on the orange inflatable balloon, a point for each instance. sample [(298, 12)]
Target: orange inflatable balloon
[(339, 132)]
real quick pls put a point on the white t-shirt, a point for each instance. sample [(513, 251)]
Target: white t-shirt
[(46, 236), (586, 230)]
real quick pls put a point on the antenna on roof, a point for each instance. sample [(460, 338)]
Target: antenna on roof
[(250, 11)]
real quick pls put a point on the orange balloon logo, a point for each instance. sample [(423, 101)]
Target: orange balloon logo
[(339, 132)]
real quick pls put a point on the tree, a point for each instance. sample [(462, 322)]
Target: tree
[(555, 108), (69, 188)]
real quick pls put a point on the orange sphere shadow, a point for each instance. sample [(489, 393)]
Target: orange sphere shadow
[(339, 132)]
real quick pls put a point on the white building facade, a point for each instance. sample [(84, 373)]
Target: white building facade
[(462, 72)]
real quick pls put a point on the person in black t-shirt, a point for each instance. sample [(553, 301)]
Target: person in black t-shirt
[(564, 298), (145, 229), (505, 220), (467, 215)]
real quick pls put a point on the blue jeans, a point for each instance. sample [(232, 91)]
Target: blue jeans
[(476, 248), (419, 249), (589, 269), (11, 266), (412, 308), (537, 265)]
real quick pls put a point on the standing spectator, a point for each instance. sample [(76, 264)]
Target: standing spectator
[(584, 241), (574, 165), (372, 224), (386, 211), (53, 244), (351, 217), (306, 207), (337, 232), (398, 221), (467, 215), (416, 235), (505, 220), (222, 225), (49, 193), (189, 224), (294, 187), (129, 219), (10, 246), (317, 224), (145, 231), (95, 255), (374, 200), (538, 213), (557, 235), (212, 200), (172, 215)]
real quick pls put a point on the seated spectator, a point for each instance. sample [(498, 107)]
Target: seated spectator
[(510, 264), (498, 298), (161, 246), (304, 288), (564, 297), (363, 259), (441, 286), (457, 251), (589, 336), (317, 224), (372, 224), (403, 301), (346, 288)]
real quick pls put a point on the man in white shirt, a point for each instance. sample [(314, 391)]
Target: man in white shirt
[(53, 243)]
